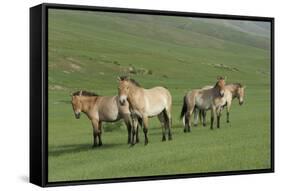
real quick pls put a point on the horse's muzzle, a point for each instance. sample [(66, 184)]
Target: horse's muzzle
[(122, 101), (77, 115)]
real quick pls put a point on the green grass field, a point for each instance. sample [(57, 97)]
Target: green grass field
[(89, 50)]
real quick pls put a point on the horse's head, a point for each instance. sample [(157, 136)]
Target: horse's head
[(221, 85), (240, 94), (76, 104), (123, 90)]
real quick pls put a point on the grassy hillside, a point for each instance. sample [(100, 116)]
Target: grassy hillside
[(254, 28), (88, 50)]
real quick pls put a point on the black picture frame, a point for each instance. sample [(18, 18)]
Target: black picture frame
[(39, 93)]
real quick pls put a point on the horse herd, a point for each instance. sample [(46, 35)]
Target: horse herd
[(135, 105)]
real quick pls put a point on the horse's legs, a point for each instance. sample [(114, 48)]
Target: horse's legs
[(128, 122), (219, 110), (228, 105), (133, 130), (213, 111), (99, 134), (187, 120), (137, 132), (161, 118), (129, 129), (196, 113), (136, 126), (95, 125), (218, 120), (169, 123), (145, 129), (204, 112), (227, 116), (186, 123)]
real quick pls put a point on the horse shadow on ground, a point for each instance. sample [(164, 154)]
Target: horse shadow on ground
[(76, 148)]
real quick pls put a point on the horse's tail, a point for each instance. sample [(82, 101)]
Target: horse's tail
[(167, 119), (165, 115), (184, 109)]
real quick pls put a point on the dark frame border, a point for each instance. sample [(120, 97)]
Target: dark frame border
[(39, 101)]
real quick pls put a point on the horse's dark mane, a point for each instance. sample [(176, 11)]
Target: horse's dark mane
[(130, 79), (85, 93), (216, 85), (219, 78)]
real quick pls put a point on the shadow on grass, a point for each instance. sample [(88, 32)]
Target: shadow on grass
[(72, 148)]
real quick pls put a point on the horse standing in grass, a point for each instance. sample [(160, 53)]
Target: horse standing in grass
[(204, 99), (232, 91), (235, 90), (145, 103), (101, 109)]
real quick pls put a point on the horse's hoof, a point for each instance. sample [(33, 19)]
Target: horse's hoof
[(164, 139), (100, 144), (204, 124), (146, 142), (184, 131), (131, 145), (227, 121), (137, 141)]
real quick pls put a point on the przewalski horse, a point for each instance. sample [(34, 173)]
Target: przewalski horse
[(145, 103), (232, 91), (204, 99), (101, 109)]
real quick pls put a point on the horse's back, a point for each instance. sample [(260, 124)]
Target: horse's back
[(158, 93)]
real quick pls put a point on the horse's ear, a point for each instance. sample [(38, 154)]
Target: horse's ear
[(118, 79), (71, 94), (219, 77), (80, 93)]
